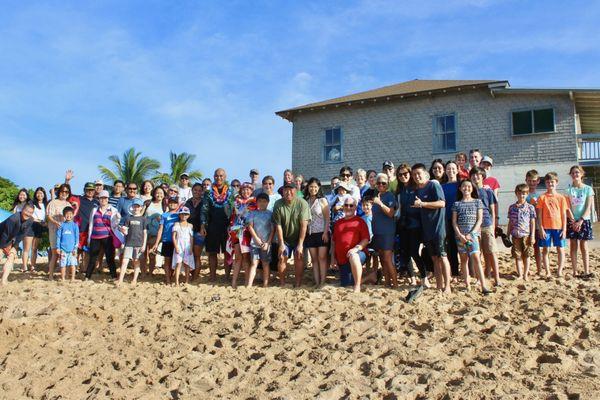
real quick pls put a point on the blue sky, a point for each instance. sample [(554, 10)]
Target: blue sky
[(80, 81)]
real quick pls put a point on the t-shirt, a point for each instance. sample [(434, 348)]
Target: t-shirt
[(520, 216), (262, 222), (433, 221), (347, 233), (39, 214), (463, 174), (450, 190), (194, 213), (114, 200), (410, 217), (67, 237), (550, 208), (85, 211), (369, 221), (272, 199), (532, 198), (124, 208), (289, 216), (488, 198), (185, 194), (466, 214), (167, 220), (382, 224), (392, 186), (577, 198), (55, 210), (135, 236), (153, 215), (491, 183)]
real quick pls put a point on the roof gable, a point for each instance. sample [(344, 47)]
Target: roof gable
[(397, 91)]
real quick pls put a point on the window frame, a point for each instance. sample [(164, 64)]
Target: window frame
[(324, 145), (435, 133), (531, 111)]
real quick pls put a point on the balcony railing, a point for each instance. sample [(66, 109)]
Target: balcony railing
[(589, 148)]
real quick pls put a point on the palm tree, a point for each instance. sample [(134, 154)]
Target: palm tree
[(180, 163), (131, 167)]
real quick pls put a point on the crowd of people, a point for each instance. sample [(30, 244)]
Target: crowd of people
[(374, 227)]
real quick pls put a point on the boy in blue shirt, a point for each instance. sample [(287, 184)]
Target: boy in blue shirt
[(165, 236), (67, 240)]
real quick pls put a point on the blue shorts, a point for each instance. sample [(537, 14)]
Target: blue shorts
[(67, 260), (471, 247), (552, 239), (346, 278), (288, 250), (198, 239)]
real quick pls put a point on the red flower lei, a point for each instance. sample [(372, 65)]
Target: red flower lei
[(219, 198)]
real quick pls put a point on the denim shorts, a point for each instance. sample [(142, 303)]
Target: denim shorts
[(346, 278), (260, 254), (198, 239)]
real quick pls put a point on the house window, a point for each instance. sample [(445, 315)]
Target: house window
[(444, 133), (332, 148), (533, 121)]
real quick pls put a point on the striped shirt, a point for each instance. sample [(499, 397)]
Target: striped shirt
[(101, 224)]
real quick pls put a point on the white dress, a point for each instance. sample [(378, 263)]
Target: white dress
[(184, 242)]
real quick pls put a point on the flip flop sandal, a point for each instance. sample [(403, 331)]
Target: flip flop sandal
[(414, 294)]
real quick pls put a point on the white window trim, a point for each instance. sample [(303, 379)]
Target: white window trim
[(435, 134), (323, 144)]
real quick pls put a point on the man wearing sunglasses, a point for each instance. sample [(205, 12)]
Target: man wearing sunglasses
[(390, 171), (346, 177), (349, 241), (125, 203)]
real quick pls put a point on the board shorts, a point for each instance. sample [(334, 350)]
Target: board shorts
[(488, 240), (167, 249), (585, 232), (436, 247), (133, 253), (199, 239), (67, 259), (553, 239)]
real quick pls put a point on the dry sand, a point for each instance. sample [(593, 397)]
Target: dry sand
[(92, 340)]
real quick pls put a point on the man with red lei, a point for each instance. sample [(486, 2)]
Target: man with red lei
[(216, 210)]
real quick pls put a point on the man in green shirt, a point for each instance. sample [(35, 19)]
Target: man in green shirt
[(291, 215)]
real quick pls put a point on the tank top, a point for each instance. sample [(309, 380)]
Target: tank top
[(317, 221)]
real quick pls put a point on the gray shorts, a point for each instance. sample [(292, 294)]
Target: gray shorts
[(260, 254), (133, 253)]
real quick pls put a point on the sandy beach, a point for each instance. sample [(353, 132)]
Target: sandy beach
[(539, 339)]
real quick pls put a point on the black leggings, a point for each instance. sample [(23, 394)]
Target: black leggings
[(109, 254), (451, 249), (411, 248)]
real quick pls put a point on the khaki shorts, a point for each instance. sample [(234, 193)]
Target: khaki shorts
[(52, 236), (520, 248), (488, 240)]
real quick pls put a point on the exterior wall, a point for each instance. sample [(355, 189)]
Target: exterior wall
[(402, 131)]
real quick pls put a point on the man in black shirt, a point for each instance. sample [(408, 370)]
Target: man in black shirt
[(12, 231)]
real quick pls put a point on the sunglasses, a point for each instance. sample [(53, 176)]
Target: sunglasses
[(235, 185), (382, 183), (65, 191), (346, 175), (131, 188), (405, 174), (349, 206)]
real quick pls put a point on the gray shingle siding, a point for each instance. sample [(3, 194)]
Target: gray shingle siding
[(402, 131)]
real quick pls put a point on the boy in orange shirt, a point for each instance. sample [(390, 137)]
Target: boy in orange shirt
[(552, 222)]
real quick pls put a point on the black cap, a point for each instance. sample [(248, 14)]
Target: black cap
[(289, 185), (263, 196)]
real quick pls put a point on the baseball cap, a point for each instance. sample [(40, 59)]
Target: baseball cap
[(89, 186), (99, 182), (173, 199), (103, 193), (137, 202), (388, 164), (289, 185), (254, 171), (184, 210), (184, 175), (487, 159)]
